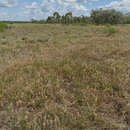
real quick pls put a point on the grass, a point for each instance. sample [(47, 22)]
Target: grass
[(64, 77)]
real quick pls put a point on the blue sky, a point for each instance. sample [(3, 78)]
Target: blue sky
[(41, 9)]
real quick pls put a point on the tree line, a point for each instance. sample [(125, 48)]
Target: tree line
[(99, 16)]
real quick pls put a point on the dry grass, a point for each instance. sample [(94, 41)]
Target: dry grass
[(55, 77)]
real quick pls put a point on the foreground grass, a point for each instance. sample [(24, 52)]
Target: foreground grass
[(64, 77)]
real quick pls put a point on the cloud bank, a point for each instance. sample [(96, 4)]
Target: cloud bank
[(8, 3), (40, 9)]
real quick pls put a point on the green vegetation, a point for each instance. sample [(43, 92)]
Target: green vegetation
[(64, 77), (107, 17), (127, 18), (99, 16), (3, 26), (109, 30)]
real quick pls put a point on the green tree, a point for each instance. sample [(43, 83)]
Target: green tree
[(127, 18), (50, 19), (57, 17), (68, 17), (112, 16), (63, 19)]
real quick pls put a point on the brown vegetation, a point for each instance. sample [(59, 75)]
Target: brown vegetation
[(64, 77)]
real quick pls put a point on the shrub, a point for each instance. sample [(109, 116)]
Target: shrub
[(110, 30), (112, 16), (127, 20), (3, 26)]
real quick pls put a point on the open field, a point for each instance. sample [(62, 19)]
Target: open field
[(55, 77)]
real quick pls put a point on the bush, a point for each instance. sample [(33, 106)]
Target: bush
[(127, 20), (3, 26), (110, 30), (112, 16)]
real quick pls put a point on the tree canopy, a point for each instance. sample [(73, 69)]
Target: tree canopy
[(99, 16)]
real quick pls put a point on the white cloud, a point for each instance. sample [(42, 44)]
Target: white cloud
[(74, 1), (48, 7), (41, 10), (8, 3), (94, 0), (122, 5), (34, 5)]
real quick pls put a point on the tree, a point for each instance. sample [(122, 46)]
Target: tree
[(50, 19), (63, 19), (57, 17), (68, 17), (33, 20), (112, 16), (127, 18)]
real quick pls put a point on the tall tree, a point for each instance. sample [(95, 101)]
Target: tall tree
[(57, 17), (107, 16), (50, 19), (68, 17)]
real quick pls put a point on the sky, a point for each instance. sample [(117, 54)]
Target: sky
[(25, 10)]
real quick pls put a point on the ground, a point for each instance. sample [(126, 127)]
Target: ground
[(65, 77)]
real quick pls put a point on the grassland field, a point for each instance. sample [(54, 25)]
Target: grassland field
[(58, 77)]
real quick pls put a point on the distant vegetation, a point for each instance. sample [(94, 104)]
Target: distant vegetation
[(107, 17), (99, 16)]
